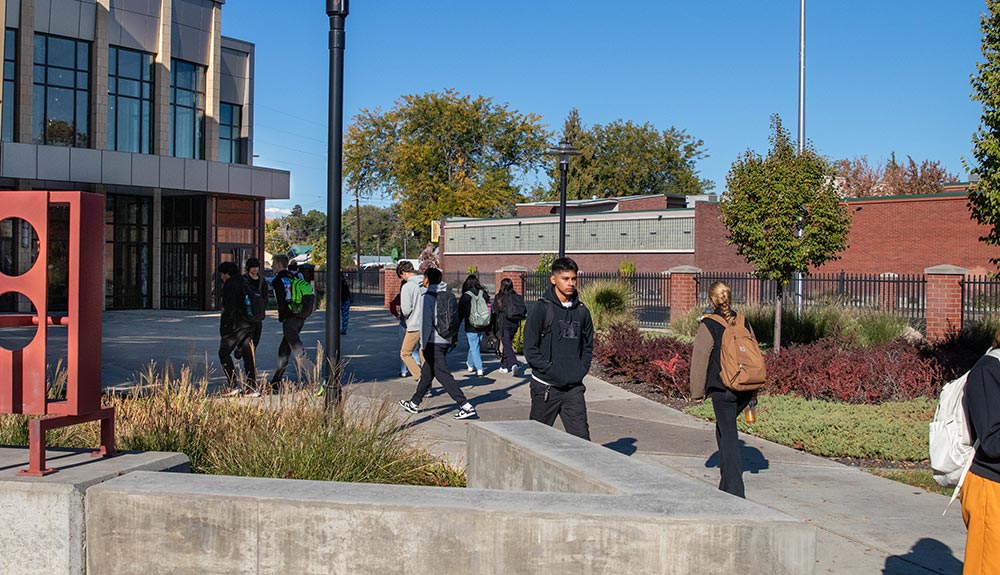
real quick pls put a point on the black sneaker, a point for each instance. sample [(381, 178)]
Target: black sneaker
[(409, 406), (466, 413)]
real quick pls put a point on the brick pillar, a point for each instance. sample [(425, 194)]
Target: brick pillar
[(888, 292), (391, 283), (944, 300), (516, 275), (683, 289)]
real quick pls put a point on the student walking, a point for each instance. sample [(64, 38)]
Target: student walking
[(559, 345), (398, 314), (474, 312), (509, 311), (291, 324), (706, 374), (258, 283), (235, 329), (411, 310), (436, 340), (980, 492)]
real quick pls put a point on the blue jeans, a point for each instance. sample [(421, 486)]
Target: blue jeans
[(474, 359), (345, 315)]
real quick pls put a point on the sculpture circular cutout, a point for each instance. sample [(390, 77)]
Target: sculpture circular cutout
[(18, 248), (17, 321)]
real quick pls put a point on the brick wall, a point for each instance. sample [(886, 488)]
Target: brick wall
[(639, 204), (897, 235)]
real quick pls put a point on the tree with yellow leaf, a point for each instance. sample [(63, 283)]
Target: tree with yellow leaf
[(443, 154)]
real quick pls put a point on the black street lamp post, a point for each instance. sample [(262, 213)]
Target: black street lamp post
[(337, 11), (564, 150)]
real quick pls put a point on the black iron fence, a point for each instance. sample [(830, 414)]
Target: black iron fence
[(650, 292), (903, 295), (980, 299), (366, 285)]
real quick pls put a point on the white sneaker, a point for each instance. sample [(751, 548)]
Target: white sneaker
[(251, 393), (409, 406), (234, 392), (471, 369), (504, 370), (466, 413), (403, 374), (479, 372)]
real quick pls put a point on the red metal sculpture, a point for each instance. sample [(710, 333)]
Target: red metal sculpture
[(23, 386)]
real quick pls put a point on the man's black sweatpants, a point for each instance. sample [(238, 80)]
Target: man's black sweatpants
[(436, 365), (547, 402), (291, 344), (238, 339), (727, 405)]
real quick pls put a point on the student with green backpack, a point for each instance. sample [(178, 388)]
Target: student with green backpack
[(296, 302), (474, 311)]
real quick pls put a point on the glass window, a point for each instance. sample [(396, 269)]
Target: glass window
[(9, 85), (230, 123), (61, 95), (130, 89), (187, 110)]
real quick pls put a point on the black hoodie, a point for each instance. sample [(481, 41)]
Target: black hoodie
[(561, 357), (982, 412)]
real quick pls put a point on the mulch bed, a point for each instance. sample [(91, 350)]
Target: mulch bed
[(682, 404)]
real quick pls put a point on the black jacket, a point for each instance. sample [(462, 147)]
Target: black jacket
[(465, 310), (982, 412), (560, 357), (280, 294), (500, 318), (234, 315)]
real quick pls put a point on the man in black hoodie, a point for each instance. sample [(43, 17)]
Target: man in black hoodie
[(291, 325), (558, 345), (236, 329)]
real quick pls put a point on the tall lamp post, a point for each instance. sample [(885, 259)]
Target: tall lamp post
[(337, 11), (563, 151)]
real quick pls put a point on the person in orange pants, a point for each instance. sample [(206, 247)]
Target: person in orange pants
[(981, 491)]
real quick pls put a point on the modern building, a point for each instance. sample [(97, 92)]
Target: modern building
[(145, 102)]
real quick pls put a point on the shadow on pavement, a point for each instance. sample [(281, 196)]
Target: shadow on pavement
[(623, 445), (929, 553), (753, 460)]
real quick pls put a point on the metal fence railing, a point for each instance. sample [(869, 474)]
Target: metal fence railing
[(980, 299), (903, 295), (366, 285), (651, 292)]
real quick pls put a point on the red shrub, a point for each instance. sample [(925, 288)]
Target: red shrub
[(659, 362)]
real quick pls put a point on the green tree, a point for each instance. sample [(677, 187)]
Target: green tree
[(625, 159), (984, 196), (297, 227), (381, 229), (783, 213), (443, 154)]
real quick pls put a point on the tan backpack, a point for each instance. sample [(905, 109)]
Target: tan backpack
[(740, 357)]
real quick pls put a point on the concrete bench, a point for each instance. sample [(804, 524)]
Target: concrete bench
[(539, 502)]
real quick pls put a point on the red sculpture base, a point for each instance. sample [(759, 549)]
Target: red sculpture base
[(38, 427)]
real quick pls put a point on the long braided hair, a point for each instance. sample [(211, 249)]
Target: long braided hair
[(720, 295)]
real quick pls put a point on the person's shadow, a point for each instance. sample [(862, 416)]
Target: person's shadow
[(753, 460), (623, 445), (930, 554)]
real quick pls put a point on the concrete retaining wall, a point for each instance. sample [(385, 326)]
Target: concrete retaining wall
[(42, 518), (578, 508)]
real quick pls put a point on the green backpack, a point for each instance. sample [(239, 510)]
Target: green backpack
[(303, 300)]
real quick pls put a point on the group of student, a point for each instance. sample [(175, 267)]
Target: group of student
[(558, 340), (244, 299)]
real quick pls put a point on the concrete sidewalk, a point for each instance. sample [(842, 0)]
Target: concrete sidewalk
[(866, 524)]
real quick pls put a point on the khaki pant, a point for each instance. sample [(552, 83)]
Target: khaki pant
[(411, 341), (981, 512)]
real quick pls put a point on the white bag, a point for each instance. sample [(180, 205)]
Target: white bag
[(950, 444)]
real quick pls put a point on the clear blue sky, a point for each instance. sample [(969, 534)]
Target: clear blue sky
[(882, 76)]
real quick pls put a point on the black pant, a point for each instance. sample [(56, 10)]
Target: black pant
[(258, 327), (435, 365), (507, 332), (547, 402), (728, 405), (290, 344), (238, 339)]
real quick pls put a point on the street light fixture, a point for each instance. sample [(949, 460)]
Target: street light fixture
[(563, 151), (337, 11)]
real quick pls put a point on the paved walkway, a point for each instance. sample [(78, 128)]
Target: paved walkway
[(865, 524)]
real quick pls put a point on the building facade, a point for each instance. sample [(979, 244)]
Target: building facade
[(145, 102)]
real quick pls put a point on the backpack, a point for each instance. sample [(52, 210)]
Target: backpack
[(514, 308), (950, 447), (490, 344), (302, 300), (479, 312), (446, 315), (740, 358), (254, 304)]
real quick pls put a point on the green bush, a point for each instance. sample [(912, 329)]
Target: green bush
[(544, 265), (686, 325), (610, 302), (626, 268), (894, 431), (518, 340), (876, 328), (867, 327)]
